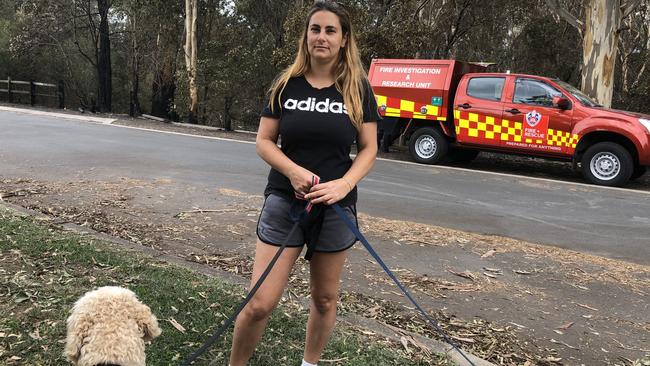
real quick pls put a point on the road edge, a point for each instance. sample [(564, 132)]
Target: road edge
[(111, 122), (101, 120)]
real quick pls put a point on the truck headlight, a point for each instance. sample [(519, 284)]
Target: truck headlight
[(645, 123)]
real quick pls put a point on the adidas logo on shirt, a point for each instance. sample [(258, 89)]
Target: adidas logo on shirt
[(311, 105)]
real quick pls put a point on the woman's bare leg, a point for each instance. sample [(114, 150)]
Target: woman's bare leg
[(325, 271), (251, 322)]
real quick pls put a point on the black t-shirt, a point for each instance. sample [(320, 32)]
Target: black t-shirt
[(316, 133)]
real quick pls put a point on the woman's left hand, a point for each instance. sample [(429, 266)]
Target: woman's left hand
[(329, 193)]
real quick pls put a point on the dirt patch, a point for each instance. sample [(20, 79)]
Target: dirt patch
[(577, 267), (506, 300)]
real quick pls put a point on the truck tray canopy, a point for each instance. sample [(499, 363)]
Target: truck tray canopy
[(421, 89)]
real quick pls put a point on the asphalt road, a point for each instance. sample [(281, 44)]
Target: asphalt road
[(613, 223)]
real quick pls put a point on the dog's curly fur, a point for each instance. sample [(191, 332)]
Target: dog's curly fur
[(109, 326)]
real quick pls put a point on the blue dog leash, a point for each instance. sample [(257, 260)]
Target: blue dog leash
[(225, 325), (390, 274)]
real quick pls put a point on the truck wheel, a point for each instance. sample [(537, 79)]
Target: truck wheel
[(428, 145), (607, 164), (462, 155), (638, 172)]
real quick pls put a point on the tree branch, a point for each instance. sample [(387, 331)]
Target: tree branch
[(566, 15), (419, 8), (84, 54), (627, 7), (71, 77), (76, 40), (637, 79), (457, 32)]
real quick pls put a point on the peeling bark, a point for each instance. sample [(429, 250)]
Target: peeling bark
[(600, 39), (600, 44), (191, 15)]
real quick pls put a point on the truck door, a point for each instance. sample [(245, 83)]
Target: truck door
[(478, 110), (543, 127)]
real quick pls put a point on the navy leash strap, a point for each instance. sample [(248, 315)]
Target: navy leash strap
[(374, 254), (225, 325)]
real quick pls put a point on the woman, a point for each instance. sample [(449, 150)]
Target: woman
[(319, 106)]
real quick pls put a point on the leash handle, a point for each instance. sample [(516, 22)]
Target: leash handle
[(383, 265), (314, 181)]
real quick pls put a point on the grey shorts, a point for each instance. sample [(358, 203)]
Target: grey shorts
[(276, 221)]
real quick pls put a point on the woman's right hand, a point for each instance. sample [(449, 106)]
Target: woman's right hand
[(301, 181)]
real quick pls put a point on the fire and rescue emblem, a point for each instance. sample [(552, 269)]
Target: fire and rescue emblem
[(533, 118)]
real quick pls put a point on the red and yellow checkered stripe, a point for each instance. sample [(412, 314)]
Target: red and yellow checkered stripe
[(403, 108), (561, 138), (487, 129)]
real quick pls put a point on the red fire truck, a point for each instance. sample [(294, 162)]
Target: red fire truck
[(450, 110)]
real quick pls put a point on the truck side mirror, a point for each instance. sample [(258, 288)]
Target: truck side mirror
[(562, 103)]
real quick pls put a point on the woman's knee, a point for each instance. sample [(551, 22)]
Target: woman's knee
[(325, 303), (258, 310)]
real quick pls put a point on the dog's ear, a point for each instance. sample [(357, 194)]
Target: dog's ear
[(78, 325), (148, 323)]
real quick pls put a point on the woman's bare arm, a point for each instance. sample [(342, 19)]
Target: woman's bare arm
[(267, 148)]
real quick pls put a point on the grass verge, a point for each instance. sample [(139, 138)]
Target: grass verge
[(44, 270)]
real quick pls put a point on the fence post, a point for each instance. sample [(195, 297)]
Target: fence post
[(61, 94), (32, 92), (11, 96)]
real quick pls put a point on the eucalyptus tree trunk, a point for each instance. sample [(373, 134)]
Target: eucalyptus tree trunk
[(104, 72), (135, 67), (599, 47), (429, 14), (163, 86), (227, 118), (191, 15), (600, 38)]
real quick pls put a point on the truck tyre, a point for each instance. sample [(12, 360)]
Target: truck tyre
[(458, 155), (428, 145), (638, 172), (607, 164)]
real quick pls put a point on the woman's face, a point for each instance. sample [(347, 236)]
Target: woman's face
[(325, 37)]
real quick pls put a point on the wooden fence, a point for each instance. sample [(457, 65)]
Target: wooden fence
[(14, 89)]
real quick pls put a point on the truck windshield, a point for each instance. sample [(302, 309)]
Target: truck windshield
[(587, 101)]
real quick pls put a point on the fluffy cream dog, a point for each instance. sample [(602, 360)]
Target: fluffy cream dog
[(109, 326)]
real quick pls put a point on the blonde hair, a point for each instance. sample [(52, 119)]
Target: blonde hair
[(350, 75)]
